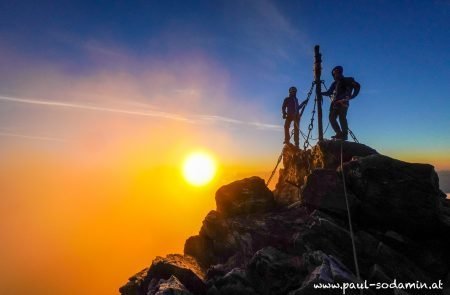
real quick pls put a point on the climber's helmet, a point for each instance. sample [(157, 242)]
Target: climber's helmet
[(293, 90), (337, 71)]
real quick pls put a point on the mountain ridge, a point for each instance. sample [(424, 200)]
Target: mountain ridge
[(283, 242)]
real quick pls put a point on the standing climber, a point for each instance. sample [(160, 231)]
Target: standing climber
[(290, 110), (341, 91)]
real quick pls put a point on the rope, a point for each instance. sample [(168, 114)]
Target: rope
[(275, 169), (328, 125), (278, 163), (350, 219)]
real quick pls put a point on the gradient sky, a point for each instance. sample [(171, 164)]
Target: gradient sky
[(236, 59), (101, 101)]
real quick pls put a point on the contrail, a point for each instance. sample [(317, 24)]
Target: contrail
[(94, 108), (25, 136), (239, 122), (193, 119)]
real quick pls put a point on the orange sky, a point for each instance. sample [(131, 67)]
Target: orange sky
[(90, 175), (81, 213), (74, 225)]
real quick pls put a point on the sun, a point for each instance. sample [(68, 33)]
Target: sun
[(199, 169)]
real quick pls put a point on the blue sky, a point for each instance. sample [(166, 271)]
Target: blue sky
[(249, 51)]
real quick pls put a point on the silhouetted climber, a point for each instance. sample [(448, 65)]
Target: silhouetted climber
[(290, 110), (341, 91)]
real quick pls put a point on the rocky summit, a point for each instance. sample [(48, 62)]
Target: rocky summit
[(289, 240)]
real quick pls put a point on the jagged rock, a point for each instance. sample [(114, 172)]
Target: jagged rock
[(246, 196), (325, 269), (330, 237), (184, 268), (396, 194), (214, 244), (249, 245), (219, 270), (298, 164), (216, 228), (327, 153), (200, 247), (214, 225), (234, 282), (324, 190), (134, 285), (246, 235), (274, 272), (398, 266), (428, 254), (172, 286), (445, 216), (396, 238), (433, 257), (377, 274)]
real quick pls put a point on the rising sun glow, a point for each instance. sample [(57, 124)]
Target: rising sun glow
[(199, 169)]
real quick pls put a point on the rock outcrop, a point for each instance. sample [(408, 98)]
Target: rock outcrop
[(299, 164), (244, 196), (286, 242)]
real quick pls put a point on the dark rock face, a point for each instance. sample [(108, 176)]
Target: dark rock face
[(233, 282), (324, 189), (325, 269), (254, 243), (395, 194), (327, 154), (249, 195), (274, 272)]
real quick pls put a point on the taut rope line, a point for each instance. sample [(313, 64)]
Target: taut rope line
[(355, 258)]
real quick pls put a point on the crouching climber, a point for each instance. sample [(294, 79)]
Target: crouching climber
[(290, 110)]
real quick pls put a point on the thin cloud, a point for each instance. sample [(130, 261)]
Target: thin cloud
[(263, 126), (33, 137), (157, 114), (219, 118), (95, 108)]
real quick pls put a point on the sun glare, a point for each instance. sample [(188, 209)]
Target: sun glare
[(199, 169)]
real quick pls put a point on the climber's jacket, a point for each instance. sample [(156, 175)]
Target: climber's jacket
[(290, 106), (344, 88)]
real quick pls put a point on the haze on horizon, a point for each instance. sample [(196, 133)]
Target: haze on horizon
[(100, 103)]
